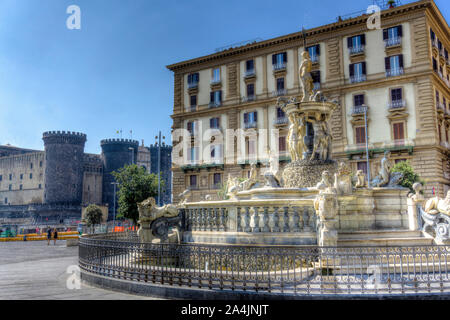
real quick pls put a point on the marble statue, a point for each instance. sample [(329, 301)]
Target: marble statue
[(384, 174), (322, 137), (271, 176), (296, 137), (417, 196), (184, 197), (326, 185), (251, 181), (360, 179), (437, 205), (306, 80), (343, 180), (153, 220)]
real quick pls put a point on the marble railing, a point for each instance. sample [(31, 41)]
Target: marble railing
[(245, 216)]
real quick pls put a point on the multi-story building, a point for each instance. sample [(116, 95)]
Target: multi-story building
[(400, 72)]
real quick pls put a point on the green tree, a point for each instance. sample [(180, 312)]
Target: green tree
[(93, 215), (135, 185), (409, 176)]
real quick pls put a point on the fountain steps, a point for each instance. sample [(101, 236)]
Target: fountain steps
[(383, 238)]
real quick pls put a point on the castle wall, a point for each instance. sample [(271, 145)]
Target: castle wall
[(22, 178)]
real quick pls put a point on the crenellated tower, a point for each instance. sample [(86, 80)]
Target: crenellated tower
[(116, 153), (64, 153)]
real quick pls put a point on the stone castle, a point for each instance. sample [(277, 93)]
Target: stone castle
[(54, 184)]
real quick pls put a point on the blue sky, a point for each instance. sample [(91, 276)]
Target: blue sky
[(111, 74)]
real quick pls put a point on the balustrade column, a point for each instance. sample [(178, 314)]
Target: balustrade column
[(276, 220), (238, 220), (295, 221), (222, 226), (306, 220), (266, 227), (256, 220), (286, 219), (247, 220)]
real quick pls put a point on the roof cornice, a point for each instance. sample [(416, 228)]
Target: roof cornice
[(298, 35)]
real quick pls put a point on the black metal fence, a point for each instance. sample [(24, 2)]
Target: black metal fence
[(270, 269)]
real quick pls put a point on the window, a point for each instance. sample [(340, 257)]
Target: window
[(281, 144), (358, 100), (216, 75), (6, 200), (396, 94), (250, 117), (1, 177), (356, 44), (193, 80), (21, 176), (193, 99), (280, 84), (251, 148), (399, 133), (279, 61), (360, 135), (193, 154), (362, 166), (357, 72), (280, 113), (10, 177), (437, 100), (191, 127), (392, 36), (250, 90), (31, 176), (216, 152), (10, 187), (250, 65), (440, 132), (214, 123), (40, 186), (193, 181), (316, 79), (216, 98), (394, 65), (21, 187), (435, 66), (31, 165), (217, 179), (432, 35), (314, 52), (40, 164)]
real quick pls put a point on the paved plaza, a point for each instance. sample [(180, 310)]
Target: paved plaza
[(32, 270)]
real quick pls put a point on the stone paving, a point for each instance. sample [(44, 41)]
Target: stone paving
[(32, 270)]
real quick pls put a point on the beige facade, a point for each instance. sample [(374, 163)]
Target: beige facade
[(414, 127)]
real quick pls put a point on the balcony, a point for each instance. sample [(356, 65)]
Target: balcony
[(357, 50), (397, 104), (215, 81), (359, 110), (315, 58), (316, 86), (440, 107), (279, 66), (279, 93), (445, 144), (251, 125), (250, 73), (193, 188), (193, 85), (248, 98), (393, 42), (191, 108), (358, 78), (280, 121), (215, 104), (394, 72)]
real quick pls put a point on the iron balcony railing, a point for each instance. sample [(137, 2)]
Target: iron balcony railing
[(278, 93), (358, 78), (215, 104), (250, 73), (251, 125), (392, 42), (397, 104), (359, 109), (394, 72), (357, 49), (192, 108), (192, 85), (280, 121), (279, 66), (278, 270), (214, 81), (248, 98)]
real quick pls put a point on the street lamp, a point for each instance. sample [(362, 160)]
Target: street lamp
[(367, 144), (159, 166), (114, 206), (132, 154)]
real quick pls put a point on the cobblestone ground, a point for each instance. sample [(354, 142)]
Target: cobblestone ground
[(32, 270)]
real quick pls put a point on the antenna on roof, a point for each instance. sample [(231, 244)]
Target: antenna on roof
[(239, 44)]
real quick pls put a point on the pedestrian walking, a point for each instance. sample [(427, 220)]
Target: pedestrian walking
[(55, 236), (49, 235)]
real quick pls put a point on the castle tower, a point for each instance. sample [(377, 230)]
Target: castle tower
[(116, 153), (64, 152)]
